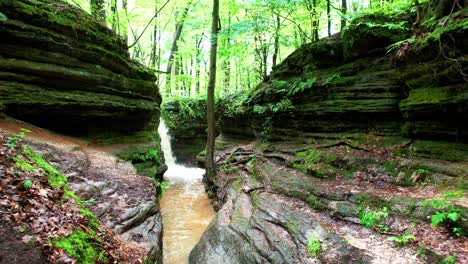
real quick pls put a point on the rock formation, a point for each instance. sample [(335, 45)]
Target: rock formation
[(347, 143)]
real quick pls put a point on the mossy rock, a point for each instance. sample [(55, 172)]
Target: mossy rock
[(371, 34), (145, 158)]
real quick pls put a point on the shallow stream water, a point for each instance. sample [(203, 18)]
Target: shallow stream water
[(186, 209)]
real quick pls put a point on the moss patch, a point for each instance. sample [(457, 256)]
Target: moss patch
[(81, 246)]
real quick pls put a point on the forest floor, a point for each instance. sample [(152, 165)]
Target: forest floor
[(92, 171)]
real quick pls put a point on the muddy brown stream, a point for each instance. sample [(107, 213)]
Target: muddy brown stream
[(186, 209)]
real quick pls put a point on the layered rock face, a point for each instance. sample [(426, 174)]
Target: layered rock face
[(62, 70), (349, 85), (186, 120), (350, 146)]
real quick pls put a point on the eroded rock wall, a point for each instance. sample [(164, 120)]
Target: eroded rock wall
[(62, 70)]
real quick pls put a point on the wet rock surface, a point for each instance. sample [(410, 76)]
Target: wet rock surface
[(122, 200), (270, 207)]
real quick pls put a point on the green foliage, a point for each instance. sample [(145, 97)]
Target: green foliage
[(17, 138), (314, 246), (450, 260), (258, 109), (446, 214), (267, 128), (300, 87), (403, 239), (55, 178), (315, 162), (453, 194), (284, 105), (179, 110), (152, 155), (3, 18), (27, 184), (455, 22), (162, 186), (81, 246), (373, 219)]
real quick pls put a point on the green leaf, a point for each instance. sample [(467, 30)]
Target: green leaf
[(437, 218), (3, 18), (27, 184), (454, 216)]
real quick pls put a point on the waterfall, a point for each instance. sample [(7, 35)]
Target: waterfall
[(186, 209), (166, 144), (176, 172)]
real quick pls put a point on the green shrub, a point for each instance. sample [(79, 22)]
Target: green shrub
[(403, 239), (314, 246), (373, 219), (446, 214)]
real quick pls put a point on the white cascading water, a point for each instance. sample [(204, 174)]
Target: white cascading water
[(176, 172), (186, 209)]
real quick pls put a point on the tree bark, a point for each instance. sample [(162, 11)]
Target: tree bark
[(154, 49), (114, 14), (344, 9), (175, 46), (98, 9), (276, 44), (210, 144), (125, 23), (197, 63), (328, 18)]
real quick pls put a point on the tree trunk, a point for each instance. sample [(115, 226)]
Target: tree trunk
[(197, 63), (344, 9), (175, 46), (125, 22), (154, 49), (227, 58), (210, 144), (276, 44), (98, 9), (315, 23), (114, 14), (329, 18)]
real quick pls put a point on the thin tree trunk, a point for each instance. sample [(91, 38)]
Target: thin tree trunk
[(276, 44), (175, 46), (329, 18), (210, 144), (113, 6), (98, 9), (227, 59), (125, 21), (155, 37), (315, 20), (197, 63), (344, 9)]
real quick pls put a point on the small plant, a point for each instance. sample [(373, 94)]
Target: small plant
[(450, 260), (163, 186), (447, 214), (403, 239), (453, 194), (267, 130), (421, 251), (27, 184), (373, 219), (314, 246), (258, 109), (300, 87), (18, 138), (149, 156)]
